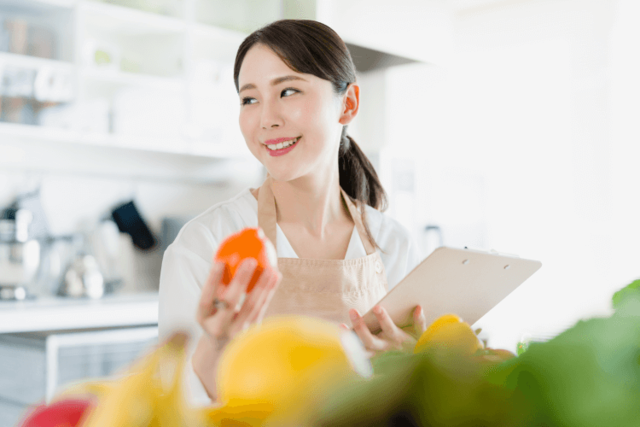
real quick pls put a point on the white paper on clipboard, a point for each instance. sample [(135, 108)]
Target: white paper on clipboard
[(465, 282)]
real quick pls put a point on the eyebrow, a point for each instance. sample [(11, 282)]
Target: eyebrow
[(274, 82)]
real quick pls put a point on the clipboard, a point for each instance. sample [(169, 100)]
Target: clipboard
[(465, 282)]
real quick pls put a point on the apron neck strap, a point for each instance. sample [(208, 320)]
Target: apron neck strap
[(267, 218), (357, 219)]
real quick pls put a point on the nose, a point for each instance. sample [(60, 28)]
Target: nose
[(271, 116)]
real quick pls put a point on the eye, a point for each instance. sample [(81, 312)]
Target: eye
[(289, 89), (246, 100)]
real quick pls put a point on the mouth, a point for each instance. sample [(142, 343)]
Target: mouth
[(282, 145)]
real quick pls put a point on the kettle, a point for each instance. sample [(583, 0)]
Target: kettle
[(83, 278)]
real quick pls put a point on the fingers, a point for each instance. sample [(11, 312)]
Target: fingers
[(254, 303), (392, 333), (205, 306), (270, 293), (419, 320), (368, 339), (221, 325), (391, 336), (236, 289)]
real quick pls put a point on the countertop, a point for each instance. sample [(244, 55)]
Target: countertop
[(58, 313)]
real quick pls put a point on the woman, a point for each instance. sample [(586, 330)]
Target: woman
[(319, 205)]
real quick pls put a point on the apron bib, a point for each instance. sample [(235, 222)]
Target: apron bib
[(324, 288)]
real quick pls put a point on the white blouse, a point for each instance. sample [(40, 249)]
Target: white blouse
[(187, 262)]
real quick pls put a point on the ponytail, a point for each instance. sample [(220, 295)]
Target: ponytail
[(359, 179)]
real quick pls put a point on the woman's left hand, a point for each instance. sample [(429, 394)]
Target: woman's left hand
[(391, 337)]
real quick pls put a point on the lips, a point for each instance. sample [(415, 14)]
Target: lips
[(281, 150)]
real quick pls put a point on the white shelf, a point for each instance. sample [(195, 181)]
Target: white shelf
[(50, 314), (27, 61), (12, 131), (67, 153), (134, 79), (128, 21)]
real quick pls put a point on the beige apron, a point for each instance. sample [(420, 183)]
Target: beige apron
[(323, 288)]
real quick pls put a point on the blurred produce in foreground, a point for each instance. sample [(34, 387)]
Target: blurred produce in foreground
[(286, 366), (148, 395), (271, 374), (299, 371), (587, 376)]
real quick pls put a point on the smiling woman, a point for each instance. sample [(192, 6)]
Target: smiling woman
[(320, 205)]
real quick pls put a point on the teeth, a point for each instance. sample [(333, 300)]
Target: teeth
[(282, 145)]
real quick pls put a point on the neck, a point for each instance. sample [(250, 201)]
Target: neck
[(310, 202)]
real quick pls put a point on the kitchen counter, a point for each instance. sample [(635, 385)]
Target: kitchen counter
[(58, 313)]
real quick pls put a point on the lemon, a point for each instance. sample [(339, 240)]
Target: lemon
[(287, 362), (449, 333)]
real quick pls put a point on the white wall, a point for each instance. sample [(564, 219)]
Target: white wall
[(624, 147), (528, 143)]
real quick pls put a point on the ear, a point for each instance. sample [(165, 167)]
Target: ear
[(350, 104)]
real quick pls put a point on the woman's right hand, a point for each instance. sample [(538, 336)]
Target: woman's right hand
[(220, 325)]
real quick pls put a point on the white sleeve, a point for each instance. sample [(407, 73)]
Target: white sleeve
[(182, 275), (414, 254), (185, 267), (408, 255), (401, 251)]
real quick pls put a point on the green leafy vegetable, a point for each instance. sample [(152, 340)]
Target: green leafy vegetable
[(587, 376), (633, 289)]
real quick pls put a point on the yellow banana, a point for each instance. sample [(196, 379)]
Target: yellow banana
[(150, 395)]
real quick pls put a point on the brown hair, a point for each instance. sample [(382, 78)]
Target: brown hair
[(311, 47)]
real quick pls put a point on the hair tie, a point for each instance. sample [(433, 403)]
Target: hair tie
[(345, 142)]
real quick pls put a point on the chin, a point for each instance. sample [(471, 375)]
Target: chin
[(283, 175)]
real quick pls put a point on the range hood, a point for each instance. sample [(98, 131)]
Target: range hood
[(332, 13), (366, 59)]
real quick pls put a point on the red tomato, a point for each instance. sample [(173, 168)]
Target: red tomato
[(64, 413)]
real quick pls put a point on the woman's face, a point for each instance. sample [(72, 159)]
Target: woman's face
[(280, 106)]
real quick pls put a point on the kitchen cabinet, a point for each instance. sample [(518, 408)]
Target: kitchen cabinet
[(49, 343), (151, 78), (36, 365)]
